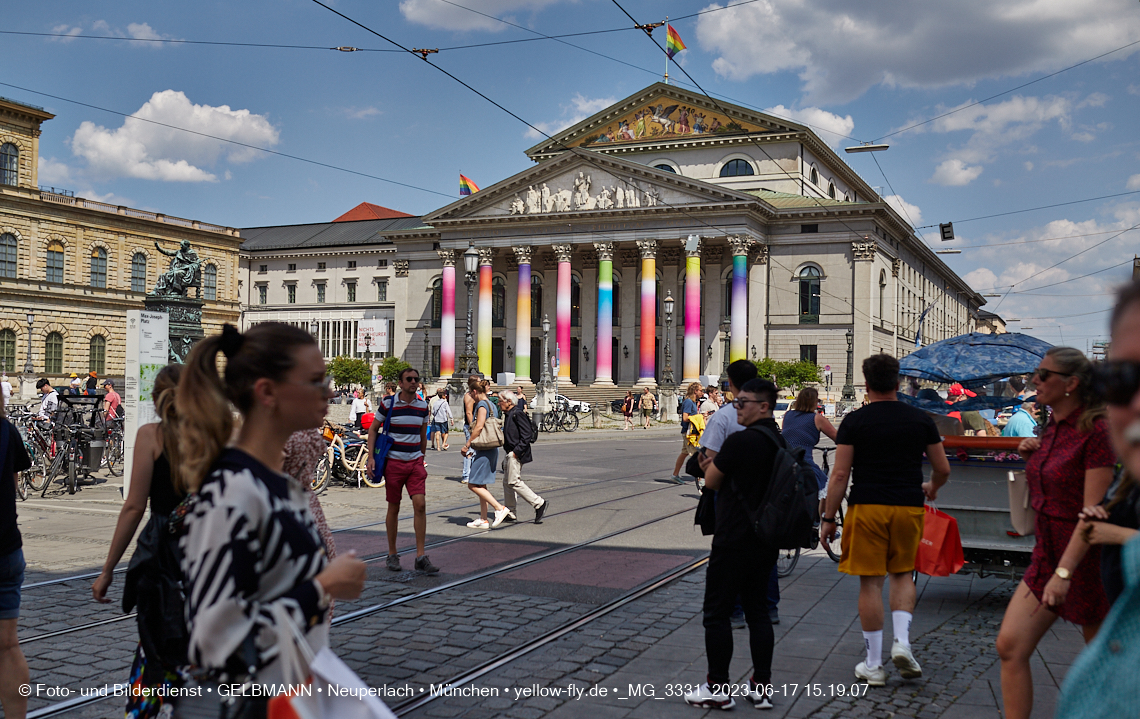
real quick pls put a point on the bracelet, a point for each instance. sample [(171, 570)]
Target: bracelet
[(830, 520)]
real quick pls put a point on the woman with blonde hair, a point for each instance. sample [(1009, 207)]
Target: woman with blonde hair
[(483, 461), (251, 554), (1068, 467), (688, 408), (802, 427)]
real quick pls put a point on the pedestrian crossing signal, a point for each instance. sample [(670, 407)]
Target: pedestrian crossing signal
[(947, 230)]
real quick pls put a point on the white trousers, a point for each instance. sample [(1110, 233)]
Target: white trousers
[(513, 484)]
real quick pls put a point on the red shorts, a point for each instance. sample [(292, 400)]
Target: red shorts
[(397, 475)]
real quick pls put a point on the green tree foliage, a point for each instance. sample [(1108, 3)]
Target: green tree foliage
[(391, 367), (347, 370), (789, 375)]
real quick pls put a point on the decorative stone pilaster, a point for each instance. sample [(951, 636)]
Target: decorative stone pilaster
[(759, 254), (863, 251), (401, 267)]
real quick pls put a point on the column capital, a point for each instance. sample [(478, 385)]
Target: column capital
[(896, 265), (562, 252), (740, 245), (647, 248), (759, 253), (402, 267), (486, 256), (447, 257), (522, 254), (696, 252), (605, 251), (863, 251)]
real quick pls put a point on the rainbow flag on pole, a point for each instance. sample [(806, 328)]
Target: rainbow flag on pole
[(673, 43), (466, 186)]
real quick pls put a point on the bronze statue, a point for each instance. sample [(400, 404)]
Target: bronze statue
[(185, 271)]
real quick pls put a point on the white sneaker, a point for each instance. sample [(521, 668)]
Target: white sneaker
[(479, 524), (876, 677), (500, 516), (905, 661), (705, 697), (759, 695)]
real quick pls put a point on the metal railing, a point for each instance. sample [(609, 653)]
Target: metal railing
[(57, 197)]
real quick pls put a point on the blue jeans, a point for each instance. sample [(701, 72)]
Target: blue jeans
[(466, 459), (11, 577)]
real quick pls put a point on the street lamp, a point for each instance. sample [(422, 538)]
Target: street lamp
[(544, 379), (470, 358), (667, 374), (314, 327), (726, 330), (29, 368), (849, 384)]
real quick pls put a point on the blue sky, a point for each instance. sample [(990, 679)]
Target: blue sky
[(864, 70)]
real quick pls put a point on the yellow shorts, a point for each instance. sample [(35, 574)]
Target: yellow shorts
[(880, 539)]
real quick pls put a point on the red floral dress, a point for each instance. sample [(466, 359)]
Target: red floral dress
[(302, 452), (1056, 476)]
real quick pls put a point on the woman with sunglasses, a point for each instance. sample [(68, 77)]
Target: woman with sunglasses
[(1068, 467), (483, 461)]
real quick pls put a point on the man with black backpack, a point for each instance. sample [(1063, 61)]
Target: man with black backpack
[(518, 434), (741, 558)]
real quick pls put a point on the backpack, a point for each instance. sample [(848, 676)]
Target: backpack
[(785, 517), (533, 428)]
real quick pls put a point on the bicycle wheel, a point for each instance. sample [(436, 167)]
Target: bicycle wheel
[(36, 476), (549, 422), (53, 469), (786, 561), (832, 546), (569, 422), (113, 455), (320, 481), (22, 486), (73, 460), (352, 456)]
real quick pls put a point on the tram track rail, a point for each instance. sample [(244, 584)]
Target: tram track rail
[(99, 694)]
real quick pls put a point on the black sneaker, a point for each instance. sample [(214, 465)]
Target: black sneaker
[(511, 517), (393, 563), (759, 695), (423, 564), (540, 510)]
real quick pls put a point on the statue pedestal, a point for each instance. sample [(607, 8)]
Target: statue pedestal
[(668, 399), (185, 322)]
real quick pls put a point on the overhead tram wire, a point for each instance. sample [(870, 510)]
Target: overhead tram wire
[(1006, 92), (1042, 207), (318, 163)]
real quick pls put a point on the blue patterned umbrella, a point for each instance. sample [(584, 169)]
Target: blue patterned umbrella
[(976, 358)]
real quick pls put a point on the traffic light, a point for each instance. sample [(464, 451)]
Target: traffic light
[(947, 230)]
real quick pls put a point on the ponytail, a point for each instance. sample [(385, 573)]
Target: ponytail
[(165, 394)]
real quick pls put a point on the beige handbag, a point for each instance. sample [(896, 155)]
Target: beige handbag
[(491, 435), (1021, 515)]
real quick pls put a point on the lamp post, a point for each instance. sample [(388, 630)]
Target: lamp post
[(849, 384), (542, 393), (726, 331), (425, 372), (667, 373), (469, 360), (314, 327), (29, 368)]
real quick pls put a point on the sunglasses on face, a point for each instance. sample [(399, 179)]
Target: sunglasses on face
[(740, 402), (1044, 374), (411, 379), (1117, 382)]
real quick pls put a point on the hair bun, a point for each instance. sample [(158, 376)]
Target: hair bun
[(232, 340)]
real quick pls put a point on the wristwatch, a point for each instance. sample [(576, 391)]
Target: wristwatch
[(1063, 573)]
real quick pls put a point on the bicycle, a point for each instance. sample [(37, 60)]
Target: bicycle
[(832, 545), (559, 419), (787, 559), (345, 461), (113, 454)]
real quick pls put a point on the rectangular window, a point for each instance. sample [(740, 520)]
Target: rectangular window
[(55, 266), (53, 353), (291, 294), (262, 269), (99, 268), (808, 229), (382, 291), (262, 292), (352, 264), (382, 263), (320, 266), (808, 353), (8, 256), (351, 286), (321, 292), (138, 272), (292, 267)]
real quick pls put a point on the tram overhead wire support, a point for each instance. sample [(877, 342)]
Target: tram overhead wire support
[(346, 48), (649, 27), (424, 52), (866, 147)]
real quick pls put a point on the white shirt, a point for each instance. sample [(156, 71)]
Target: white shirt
[(441, 411), (49, 403), (6, 390), (719, 426), (359, 407)]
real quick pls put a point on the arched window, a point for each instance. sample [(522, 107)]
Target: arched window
[(665, 168), (831, 190), (97, 354), (8, 256), (809, 296), (138, 272), (736, 168), (535, 301), (882, 295), (210, 283), (575, 301), (53, 353), (7, 351), (814, 176), (437, 303), (98, 267), (9, 164), (55, 262), (498, 301)]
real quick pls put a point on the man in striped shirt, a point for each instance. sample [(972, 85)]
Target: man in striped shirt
[(405, 465)]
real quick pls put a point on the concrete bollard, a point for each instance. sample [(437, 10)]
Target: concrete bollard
[(596, 416)]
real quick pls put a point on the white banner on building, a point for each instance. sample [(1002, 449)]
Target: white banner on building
[(372, 335), (148, 351)]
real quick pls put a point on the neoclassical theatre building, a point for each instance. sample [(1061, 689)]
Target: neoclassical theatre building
[(767, 242)]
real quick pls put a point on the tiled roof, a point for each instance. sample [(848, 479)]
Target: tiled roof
[(786, 200), (368, 211), (325, 234)]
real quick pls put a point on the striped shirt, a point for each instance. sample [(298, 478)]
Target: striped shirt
[(408, 419)]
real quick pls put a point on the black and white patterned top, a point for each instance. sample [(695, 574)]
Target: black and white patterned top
[(250, 543)]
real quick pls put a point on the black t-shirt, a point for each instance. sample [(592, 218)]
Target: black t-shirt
[(16, 460), (746, 459), (890, 439), (1125, 513)]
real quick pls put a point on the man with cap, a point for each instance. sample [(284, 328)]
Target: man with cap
[(73, 388)]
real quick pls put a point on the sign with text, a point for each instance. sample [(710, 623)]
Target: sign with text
[(148, 351), (372, 335)]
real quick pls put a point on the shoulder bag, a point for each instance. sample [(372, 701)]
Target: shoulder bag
[(1021, 513), (491, 435), (384, 441)]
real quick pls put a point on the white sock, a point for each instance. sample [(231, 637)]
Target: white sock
[(873, 641), (902, 626)]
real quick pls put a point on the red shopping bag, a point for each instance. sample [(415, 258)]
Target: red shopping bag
[(940, 551)]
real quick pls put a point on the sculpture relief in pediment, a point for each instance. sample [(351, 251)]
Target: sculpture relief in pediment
[(580, 193), (659, 120)]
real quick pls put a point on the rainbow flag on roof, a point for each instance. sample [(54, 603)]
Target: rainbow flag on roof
[(466, 186), (673, 43)]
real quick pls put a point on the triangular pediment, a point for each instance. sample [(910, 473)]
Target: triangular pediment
[(664, 113), (581, 181)]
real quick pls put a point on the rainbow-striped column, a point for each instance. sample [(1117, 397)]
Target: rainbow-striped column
[(562, 311), (692, 357), (647, 357), (447, 317), (603, 353), (522, 316), (483, 340), (738, 346)]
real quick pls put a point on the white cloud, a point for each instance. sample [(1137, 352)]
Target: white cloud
[(53, 172), (445, 16), (1134, 182), (67, 30), (360, 113), (1029, 167), (841, 50), (579, 108), (154, 152), (832, 128), (135, 30), (955, 173), (909, 212)]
